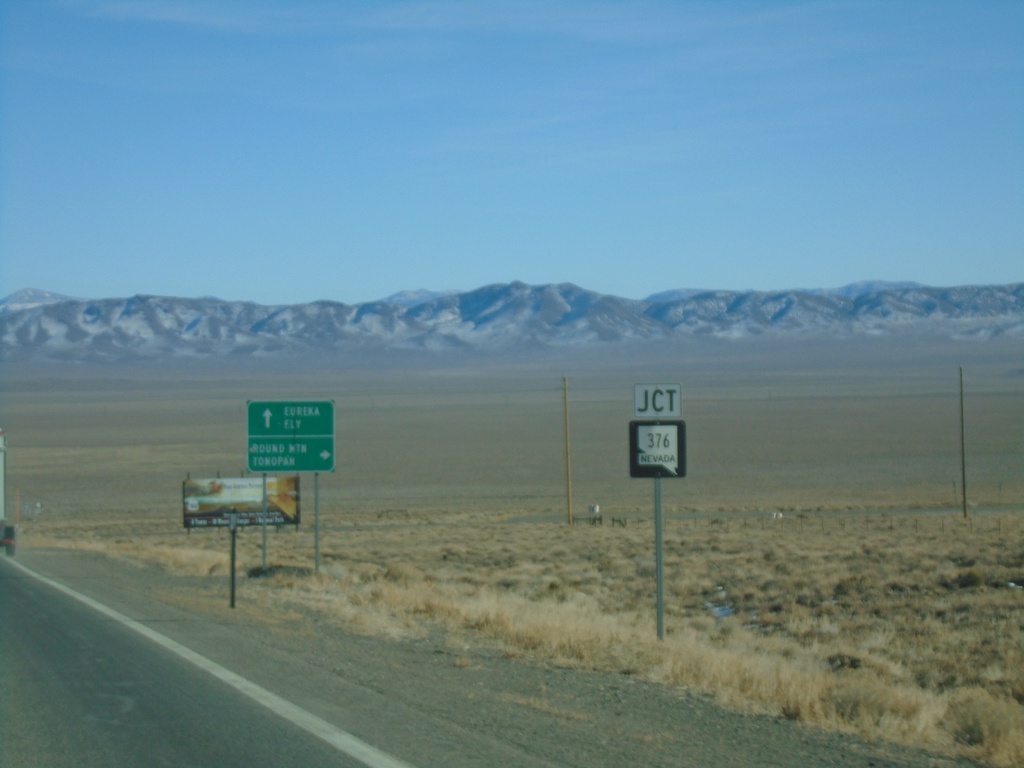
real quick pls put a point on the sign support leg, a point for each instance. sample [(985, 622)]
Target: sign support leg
[(264, 522), (659, 562), (316, 522), (234, 538)]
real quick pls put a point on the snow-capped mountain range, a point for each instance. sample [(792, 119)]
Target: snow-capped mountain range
[(36, 325)]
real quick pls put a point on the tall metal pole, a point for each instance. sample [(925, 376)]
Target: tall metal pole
[(963, 449), (568, 460), (659, 562)]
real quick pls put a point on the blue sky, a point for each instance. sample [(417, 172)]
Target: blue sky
[(284, 152)]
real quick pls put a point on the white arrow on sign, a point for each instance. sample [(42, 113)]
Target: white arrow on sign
[(266, 417), (325, 455)]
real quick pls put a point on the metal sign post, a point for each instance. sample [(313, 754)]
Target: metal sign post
[(316, 522), (233, 524), (657, 449), (263, 517), (659, 559)]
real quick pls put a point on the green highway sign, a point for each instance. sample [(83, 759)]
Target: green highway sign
[(291, 436), (287, 454), (276, 418)]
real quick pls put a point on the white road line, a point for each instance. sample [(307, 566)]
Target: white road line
[(337, 738)]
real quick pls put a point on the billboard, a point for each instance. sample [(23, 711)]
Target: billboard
[(208, 503)]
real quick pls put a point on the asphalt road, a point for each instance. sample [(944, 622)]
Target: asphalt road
[(80, 688)]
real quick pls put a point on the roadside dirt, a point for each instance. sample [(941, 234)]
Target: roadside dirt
[(431, 702)]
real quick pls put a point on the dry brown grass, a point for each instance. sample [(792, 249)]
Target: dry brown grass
[(896, 627)]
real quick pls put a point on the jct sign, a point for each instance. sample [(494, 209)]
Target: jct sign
[(657, 401)]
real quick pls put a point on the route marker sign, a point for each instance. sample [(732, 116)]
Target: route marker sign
[(657, 449), (291, 436), (657, 401)]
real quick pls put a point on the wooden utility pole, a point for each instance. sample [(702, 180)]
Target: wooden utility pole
[(568, 457), (963, 449)]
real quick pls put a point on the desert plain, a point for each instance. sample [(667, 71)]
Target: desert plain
[(818, 564)]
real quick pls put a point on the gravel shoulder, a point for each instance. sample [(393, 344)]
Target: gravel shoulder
[(434, 703)]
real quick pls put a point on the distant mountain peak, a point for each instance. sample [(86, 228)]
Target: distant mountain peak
[(676, 294), (414, 298), (863, 287), (849, 291), (28, 298)]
